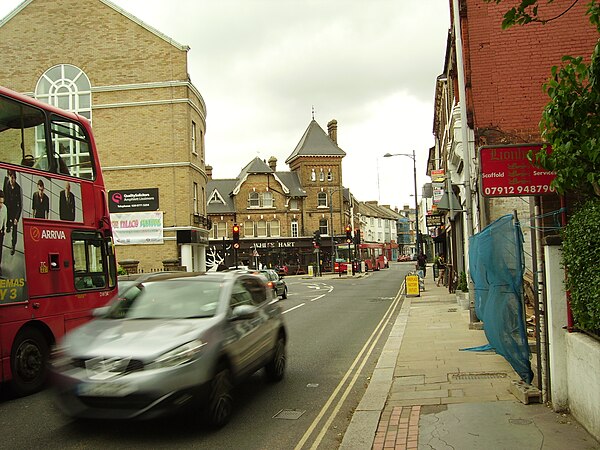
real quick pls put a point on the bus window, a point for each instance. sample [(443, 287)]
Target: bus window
[(71, 149), (89, 261), (19, 127)]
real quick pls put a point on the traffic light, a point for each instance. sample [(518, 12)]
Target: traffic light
[(236, 236), (348, 234), (357, 236), (317, 239)]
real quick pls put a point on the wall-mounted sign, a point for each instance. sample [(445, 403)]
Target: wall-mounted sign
[(137, 228), (133, 200), (434, 220), (438, 176), (506, 172)]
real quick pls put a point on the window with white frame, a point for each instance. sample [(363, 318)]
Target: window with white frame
[(323, 227), (194, 150), (267, 200), (254, 200), (321, 175), (195, 199), (274, 228), (261, 228), (248, 228), (329, 175), (313, 175), (222, 230), (294, 228), (322, 200), (260, 200), (67, 87)]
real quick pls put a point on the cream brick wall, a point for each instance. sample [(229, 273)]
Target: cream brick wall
[(114, 51)]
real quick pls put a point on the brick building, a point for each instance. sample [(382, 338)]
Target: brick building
[(132, 82), (280, 211), (504, 71)]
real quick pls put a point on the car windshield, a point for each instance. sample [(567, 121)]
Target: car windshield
[(167, 299)]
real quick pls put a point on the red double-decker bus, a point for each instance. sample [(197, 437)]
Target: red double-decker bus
[(57, 260), (372, 254)]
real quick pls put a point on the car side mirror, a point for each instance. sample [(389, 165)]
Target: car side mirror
[(243, 312)]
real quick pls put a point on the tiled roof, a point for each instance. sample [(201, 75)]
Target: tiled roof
[(315, 142)]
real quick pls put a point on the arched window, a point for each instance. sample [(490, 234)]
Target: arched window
[(68, 87), (274, 228), (253, 200), (322, 175), (267, 200), (313, 175), (329, 175)]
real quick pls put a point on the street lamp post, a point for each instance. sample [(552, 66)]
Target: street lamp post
[(413, 157)]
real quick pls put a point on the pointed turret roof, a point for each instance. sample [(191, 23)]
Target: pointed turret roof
[(315, 142)]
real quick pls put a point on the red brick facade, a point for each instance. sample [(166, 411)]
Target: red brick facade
[(505, 69)]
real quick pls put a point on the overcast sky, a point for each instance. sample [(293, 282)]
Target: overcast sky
[(262, 65)]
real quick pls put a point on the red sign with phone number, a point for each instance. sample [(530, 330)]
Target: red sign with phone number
[(506, 172)]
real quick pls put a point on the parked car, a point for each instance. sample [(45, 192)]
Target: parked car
[(276, 282), (169, 342)]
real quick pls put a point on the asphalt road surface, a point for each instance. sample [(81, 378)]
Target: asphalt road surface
[(337, 328)]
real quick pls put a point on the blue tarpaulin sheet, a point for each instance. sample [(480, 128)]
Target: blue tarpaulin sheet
[(496, 268)]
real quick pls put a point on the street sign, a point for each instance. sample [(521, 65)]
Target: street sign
[(506, 172)]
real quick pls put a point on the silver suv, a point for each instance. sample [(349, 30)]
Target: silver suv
[(168, 342)]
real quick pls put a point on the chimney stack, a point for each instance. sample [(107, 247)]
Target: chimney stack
[(208, 170), (273, 163), (332, 130)]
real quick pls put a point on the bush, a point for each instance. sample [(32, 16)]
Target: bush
[(581, 258), (462, 283), (121, 271)]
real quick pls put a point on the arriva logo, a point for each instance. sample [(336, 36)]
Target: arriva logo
[(37, 234)]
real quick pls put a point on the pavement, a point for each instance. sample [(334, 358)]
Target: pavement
[(428, 393)]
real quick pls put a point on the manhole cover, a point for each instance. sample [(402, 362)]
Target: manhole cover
[(467, 376), (289, 414), (520, 421)]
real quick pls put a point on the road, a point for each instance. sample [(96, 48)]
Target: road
[(337, 328)]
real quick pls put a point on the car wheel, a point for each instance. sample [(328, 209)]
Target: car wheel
[(220, 400), (284, 295), (275, 369), (29, 362)]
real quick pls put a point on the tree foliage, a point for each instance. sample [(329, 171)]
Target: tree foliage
[(571, 120)]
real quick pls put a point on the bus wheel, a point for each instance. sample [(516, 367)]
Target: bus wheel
[(29, 362)]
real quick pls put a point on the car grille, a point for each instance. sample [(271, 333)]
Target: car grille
[(135, 365), (134, 402)]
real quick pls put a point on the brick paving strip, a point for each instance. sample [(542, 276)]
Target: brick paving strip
[(398, 429)]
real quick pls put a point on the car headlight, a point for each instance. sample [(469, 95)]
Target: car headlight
[(180, 355)]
